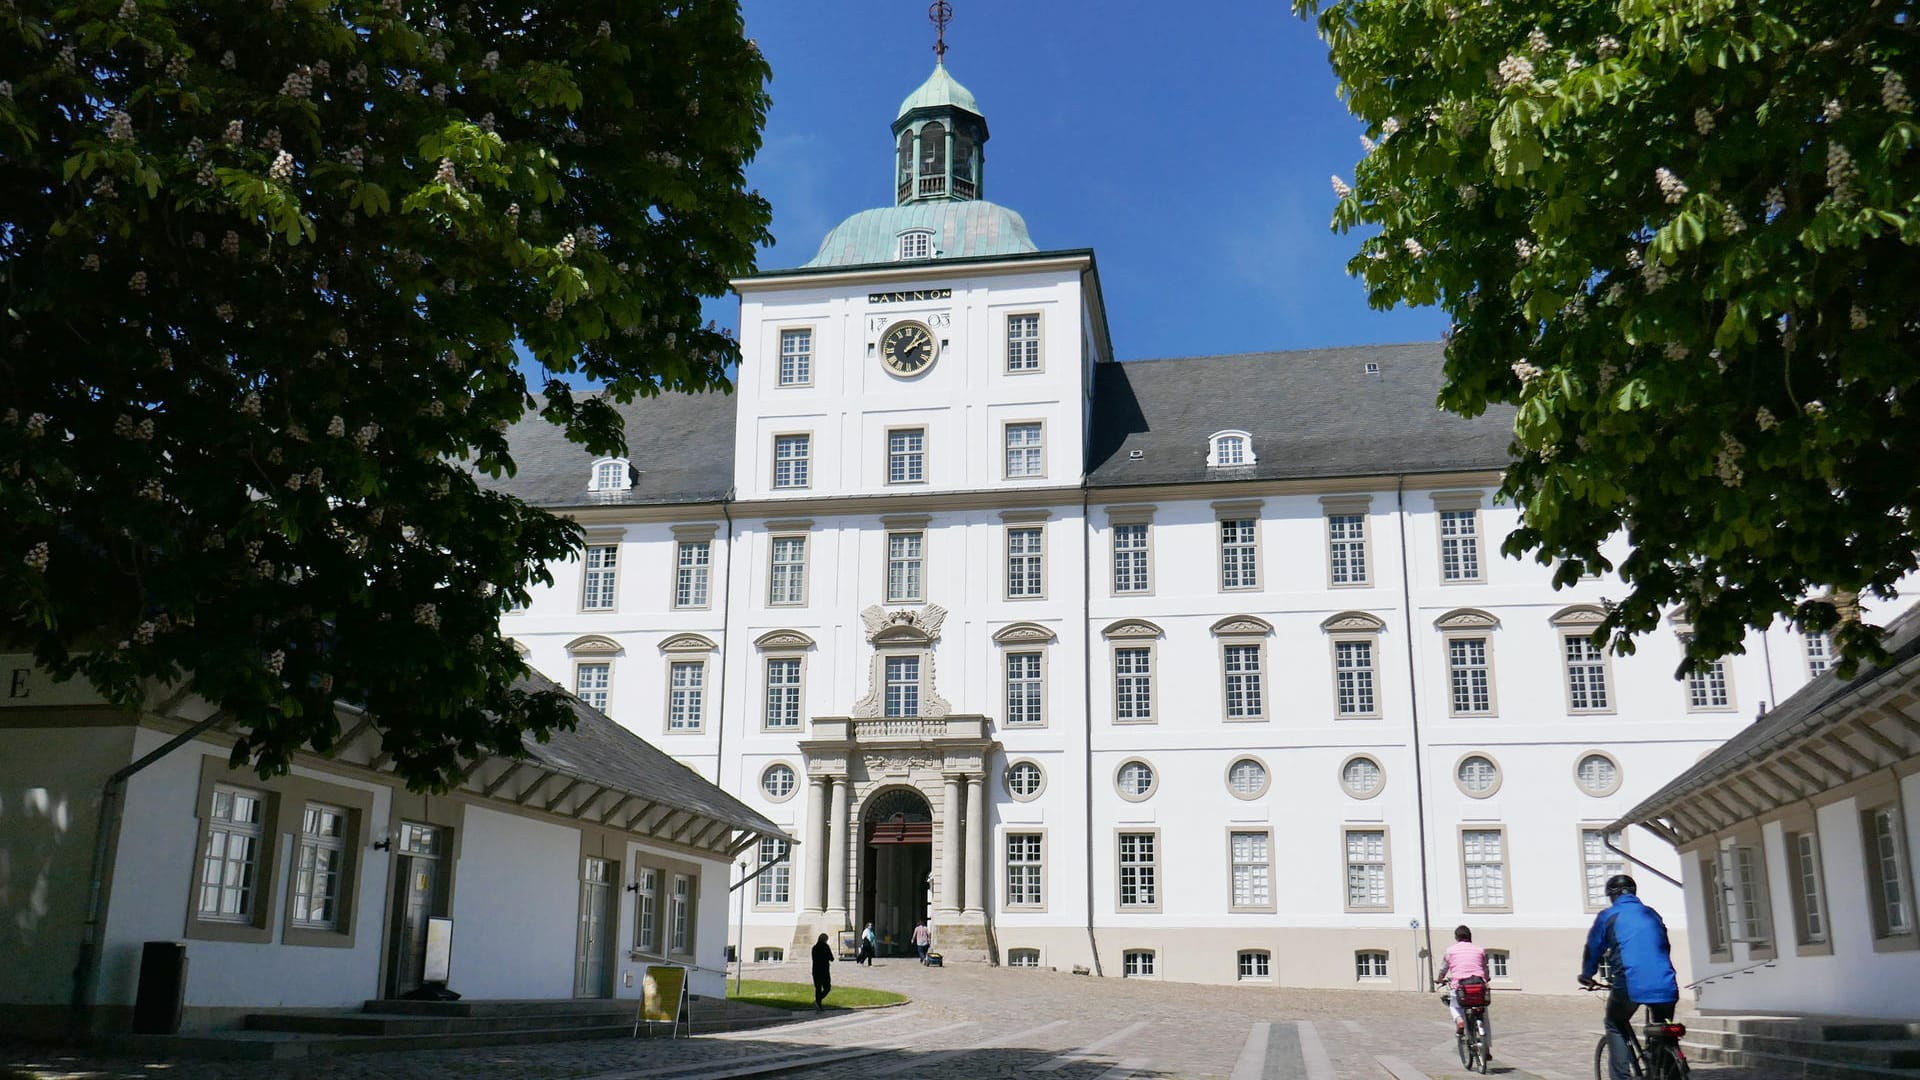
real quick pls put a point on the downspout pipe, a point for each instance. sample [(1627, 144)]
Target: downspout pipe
[(1607, 839), (86, 966), (1086, 685), (1413, 703)]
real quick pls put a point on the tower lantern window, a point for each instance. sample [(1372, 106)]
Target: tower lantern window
[(933, 149)]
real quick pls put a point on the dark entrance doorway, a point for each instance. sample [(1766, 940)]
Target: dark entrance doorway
[(896, 865), (419, 893)]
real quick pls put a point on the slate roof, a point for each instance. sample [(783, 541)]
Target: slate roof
[(682, 445), (602, 752), (1794, 720), (1312, 413)]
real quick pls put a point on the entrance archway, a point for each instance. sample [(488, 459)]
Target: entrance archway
[(896, 865)]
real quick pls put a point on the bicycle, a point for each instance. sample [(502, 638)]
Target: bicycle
[(1474, 1041), (1660, 1059)]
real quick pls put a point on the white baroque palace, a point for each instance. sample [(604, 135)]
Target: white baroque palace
[(1203, 669)]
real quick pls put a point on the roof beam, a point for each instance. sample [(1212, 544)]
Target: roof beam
[(1814, 784), (1742, 808), (527, 794), (666, 825), (1763, 798), (472, 766), (1841, 772), (607, 814), (500, 781), (706, 835), (1839, 742), (742, 844), (380, 761), (1778, 777), (645, 805), (1873, 735), (695, 824), (572, 783), (353, 734)]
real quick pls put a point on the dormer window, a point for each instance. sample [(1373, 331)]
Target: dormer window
[(610, 475), (1229, 448), (917, 244)]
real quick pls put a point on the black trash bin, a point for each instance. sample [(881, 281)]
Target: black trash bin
[(163, 988)]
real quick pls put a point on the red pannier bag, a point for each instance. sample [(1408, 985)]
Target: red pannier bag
[(1473, 992)]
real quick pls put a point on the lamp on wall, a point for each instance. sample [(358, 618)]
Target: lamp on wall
[(633, 886), (385, 843)]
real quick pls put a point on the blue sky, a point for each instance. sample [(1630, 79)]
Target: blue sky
[(1188, 144)]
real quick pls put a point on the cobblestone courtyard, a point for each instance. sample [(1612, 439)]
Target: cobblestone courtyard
[(975, 1022)]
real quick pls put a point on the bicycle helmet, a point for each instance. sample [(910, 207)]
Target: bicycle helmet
[(1621, 883)]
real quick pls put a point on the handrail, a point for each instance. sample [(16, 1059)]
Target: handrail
[(1755, 966)]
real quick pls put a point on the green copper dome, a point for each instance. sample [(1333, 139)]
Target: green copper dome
[(939, 91), (959, 229)]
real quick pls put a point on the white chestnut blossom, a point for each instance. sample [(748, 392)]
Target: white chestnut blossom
[(1413, 247), (605, 31), (565, 247), (1537, 42), (427, 615), (282, 168), (1515, 71), (1675, 351), (1893, 93), (1340, 188), (129, 10), (1833, 110), (298, 84), (1670, 185), (1526, 372), (36, 425), (228, 60), (363, 438), (1776, 202), (6, 90), (1765, 419), (1731, 221), (1816, 408), (1525, 249), (138, 283), (1655, 276), (223, 312), (38, 556), (1857, 318), (120, 126), (1727, 463), (1469, 194), (1389, 127), (1606, 46), (250, 405), (275, 661), (337, 427), (446, 174), (1367, 145), (1841, 172), (1703, 120), (230, 244), (236, 131), (491, 61)]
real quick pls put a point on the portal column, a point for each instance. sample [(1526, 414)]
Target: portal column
[(952, 838), (977, 833), (816, 836), (837, 796)]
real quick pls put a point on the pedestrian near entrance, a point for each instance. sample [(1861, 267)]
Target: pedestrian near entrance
[(869, 945), (822, 972), (922, 940)]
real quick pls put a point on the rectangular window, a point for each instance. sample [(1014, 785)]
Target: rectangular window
[(791, 456), (1707, 689), (1023, 451), (1809, 900), (1892, 889), (1024, 688), (596, 593), (1460, 545), (1370, 964), (1347, 548), (1746, 893), (775, 884), (1597, 864), (1353, 678), (687, 693), (1483, 854), (1367, 869), (906, 562), (1252, 870), (1130, 558), (1713, 900), (1139, 871), (787, 579), (1245, 701), (1023, 870), (680, 914), (693, 565), (1238, 569), (231, 872), (590, 683), (1467, 676), (1133, 684), (907, 456), (1586, 674), (769, 954), (1137, 964), (1819, 653), (783, 692), (1023, 343), (318, 867), (1498, 965), (903, 686), (796, 357), (1255, 965), (646, 912), (1026, 573)]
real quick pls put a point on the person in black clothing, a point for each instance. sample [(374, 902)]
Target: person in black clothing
[(822, 972)]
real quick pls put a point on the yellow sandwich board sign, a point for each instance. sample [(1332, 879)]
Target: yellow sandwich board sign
[(663, 995)]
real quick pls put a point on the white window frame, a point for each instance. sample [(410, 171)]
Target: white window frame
[(1809, 887), (1889, 873), (1133, 558), (1139, 964), (1026, 690), (1024, 460), (1023, 958), (1367, 870), (915, 245), (1120, 780), (1024, 852), (903, 696), (1241, 791), (1458, 528), (686, 697), (1349, 541), (1372, 965), (906, 464), (1748, 896), (1026, 561), (1380, 773), (1230, 449), (1028, 767), (1470, 676), (1243, 666), (1250, 870), (787, 577), (792, 461), (646, 911), (1580, 775), (587, 691), (315, 885), (773, 889), (1583, 665), (1499, 965), (692, 574), (1143, 863), (1817, 647), (1597, 865), (610, 474), (1474, 854), (230, 887), (795, 365), (1356, 676), (680, 915), (1134, 683), (1253, 965), (1499, 775), (1025, 354), (600, 578), (785, 705), (1710, 689), (907, 569), (1238, 535), (792, 782)]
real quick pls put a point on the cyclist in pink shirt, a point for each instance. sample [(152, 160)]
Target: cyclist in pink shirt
[(1463, 960)]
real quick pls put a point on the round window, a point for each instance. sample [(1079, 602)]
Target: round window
[(1478, 776), (1136, 780), (777, 782), (1598, 775), (1247, 778), (1024, 779), (1362, 778)]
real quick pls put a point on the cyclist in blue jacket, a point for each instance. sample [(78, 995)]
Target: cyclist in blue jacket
[(1632, 939)]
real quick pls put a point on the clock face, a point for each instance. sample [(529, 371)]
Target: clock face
[(909, 348)]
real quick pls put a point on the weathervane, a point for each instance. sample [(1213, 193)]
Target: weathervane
[(940, 13)]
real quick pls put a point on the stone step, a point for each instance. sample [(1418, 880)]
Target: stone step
[(1884, 1053), (364, 1023), (1810, 1028), (491, 1007), (247, 1045), (1791, 1066)]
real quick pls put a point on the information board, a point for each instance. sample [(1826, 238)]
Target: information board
[(662, 994)]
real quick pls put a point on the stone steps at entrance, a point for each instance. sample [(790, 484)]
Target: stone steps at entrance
[(1811, 1047)]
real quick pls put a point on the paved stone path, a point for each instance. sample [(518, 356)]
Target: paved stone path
[(979, 1023)]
